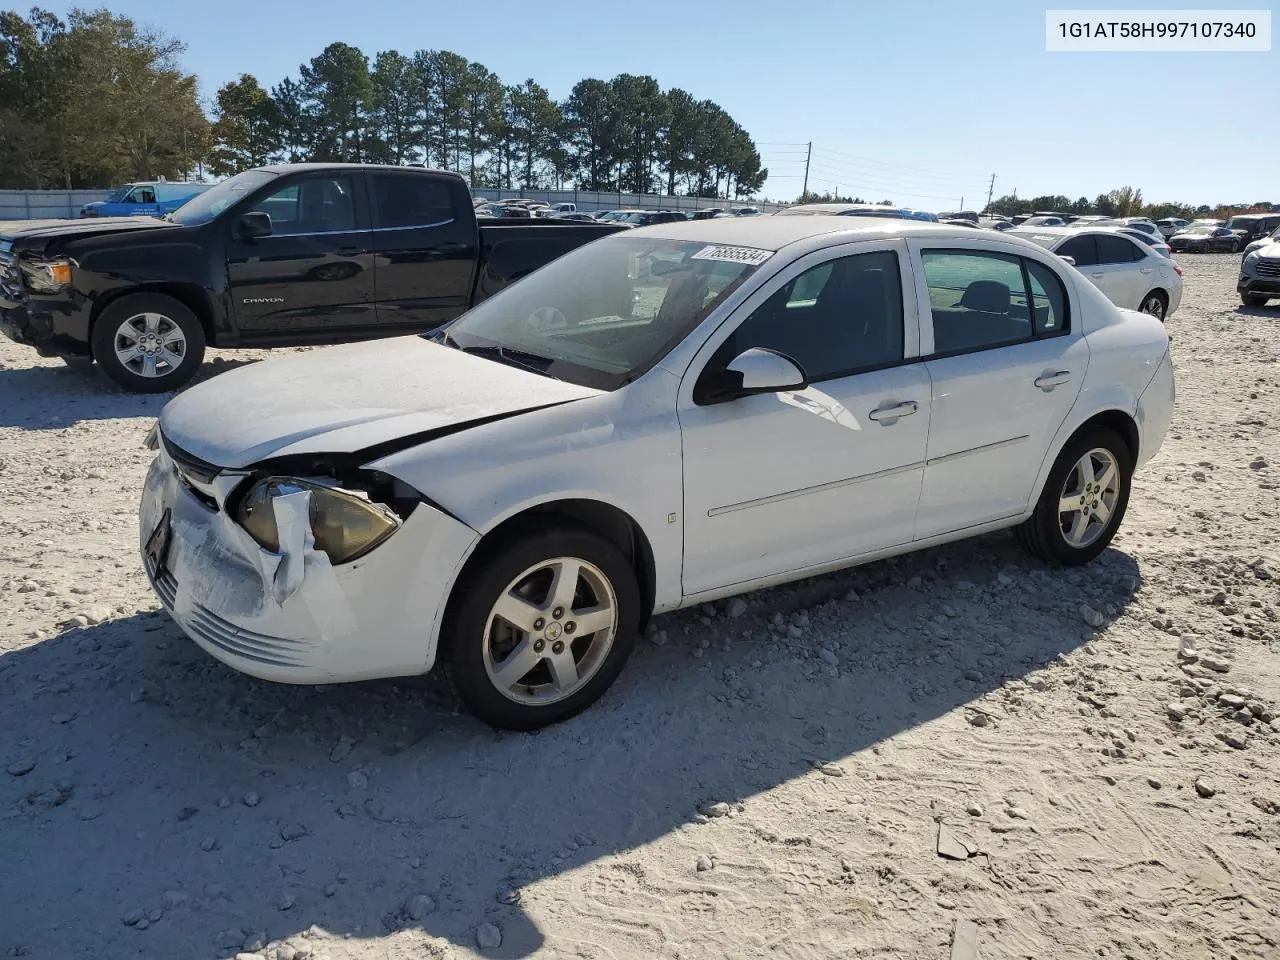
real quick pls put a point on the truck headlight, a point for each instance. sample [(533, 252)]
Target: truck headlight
[(47, 276), (345, 524), (1250, 262)]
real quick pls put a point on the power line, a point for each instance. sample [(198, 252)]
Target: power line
[(910, 189), (945, 182), (896, 166)]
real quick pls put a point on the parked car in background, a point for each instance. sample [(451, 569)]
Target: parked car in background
[(518, 498), (564, 208), (1087, 220), (706, 213), (646, 218), (1168, 226), (1252, 226), (277, 256), (960, 222), (1205, 238), (1130, 273), (1043, 221), (576, 217), (1156, 243), (1145, 224), (153, 198), (845, 210), (959, 215), (1273, 237), (745, 211), (610, 216), (1260, 275)]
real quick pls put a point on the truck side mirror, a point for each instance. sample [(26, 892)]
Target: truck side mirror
[(254, 224)]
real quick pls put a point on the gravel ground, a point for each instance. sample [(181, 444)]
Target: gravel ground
[(853, 766)]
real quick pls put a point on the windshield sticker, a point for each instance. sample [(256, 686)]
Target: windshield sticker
[(748, 255)]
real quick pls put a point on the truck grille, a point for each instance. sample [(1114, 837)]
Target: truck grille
[(1268, 267), (10, 277)]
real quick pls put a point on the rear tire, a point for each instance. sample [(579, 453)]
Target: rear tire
[(1156, 304), (543, 665), (148, 342), (1077, 534)]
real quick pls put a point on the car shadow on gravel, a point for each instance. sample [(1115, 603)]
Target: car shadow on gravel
[(57, 397), (141, 779), (1269, 312)]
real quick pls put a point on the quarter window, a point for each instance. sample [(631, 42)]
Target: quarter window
[(834, 319), (984, 300), (310, 206)]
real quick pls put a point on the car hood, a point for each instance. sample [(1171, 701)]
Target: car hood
[(32, 234), (383, 394)]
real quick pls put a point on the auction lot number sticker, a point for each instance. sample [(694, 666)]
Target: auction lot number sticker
[(748, 255), (1172, 31)]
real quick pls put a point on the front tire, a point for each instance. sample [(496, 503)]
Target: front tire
[(1250, 300), (148, 342), (1084, 500), (543, 625)]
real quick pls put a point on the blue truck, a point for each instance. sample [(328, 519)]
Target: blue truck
[(151, 198)]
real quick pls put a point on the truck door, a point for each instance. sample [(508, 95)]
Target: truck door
[(426, 244), (314, 273)]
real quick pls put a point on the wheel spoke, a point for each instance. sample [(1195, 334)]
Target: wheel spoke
[(151, 322), (1070, 504), (564, 671), (1108, 477), (174, 338), (519, 662), (592, 619), (172, 359), (148, 364), (127, 356), (517, 611), (564, 584), (1102, 512), (1078, 526), (1085, 466)]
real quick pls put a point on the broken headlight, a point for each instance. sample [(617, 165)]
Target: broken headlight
[(47, 276), (345, 524)]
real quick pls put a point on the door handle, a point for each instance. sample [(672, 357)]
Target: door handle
[(1050, 380), (888, 416), (1098, 276), (1145, 270), (349, 251)]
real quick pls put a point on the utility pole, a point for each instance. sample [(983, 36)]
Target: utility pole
[(962, 203), (991, 190), (808, 154)]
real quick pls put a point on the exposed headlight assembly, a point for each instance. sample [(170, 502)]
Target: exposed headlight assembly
[(47, 276), (345, 523)]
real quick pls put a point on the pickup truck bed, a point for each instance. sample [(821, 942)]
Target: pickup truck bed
[(279, 256)]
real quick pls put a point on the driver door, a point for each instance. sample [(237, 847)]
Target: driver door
[(781, 482)]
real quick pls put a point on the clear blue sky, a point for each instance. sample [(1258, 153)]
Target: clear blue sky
[(909, 100)]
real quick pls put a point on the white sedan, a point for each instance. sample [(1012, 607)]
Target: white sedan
[(1132, 274), (663, 417)]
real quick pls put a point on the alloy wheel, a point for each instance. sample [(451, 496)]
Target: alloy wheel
[(150, 345), (1088, 498)]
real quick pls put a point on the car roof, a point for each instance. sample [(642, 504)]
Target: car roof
[(282, 168), (774, 233), (818, 209), (1024, 231)]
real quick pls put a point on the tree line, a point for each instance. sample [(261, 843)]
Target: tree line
[(1123, 202), (96, 100)]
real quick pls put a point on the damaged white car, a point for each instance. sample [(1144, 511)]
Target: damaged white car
[(663, 417)]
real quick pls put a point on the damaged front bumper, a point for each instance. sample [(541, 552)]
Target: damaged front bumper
[(291, 615)]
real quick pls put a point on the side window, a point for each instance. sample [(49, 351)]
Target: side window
[(144, 195), (404, 201), (978, 300), (833, 319), (1081, 249), (310, 206), (1112, 249), (1048, 298)]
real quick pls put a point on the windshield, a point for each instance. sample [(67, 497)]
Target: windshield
[(1201, 228), (635, 218), (203, 207), (116, 194), (603, 314), (1240, 223)]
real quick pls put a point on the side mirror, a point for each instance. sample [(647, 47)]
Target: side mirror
[(254, 224), (1070, 260), (755, 370)]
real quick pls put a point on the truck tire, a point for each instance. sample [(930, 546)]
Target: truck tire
[(148, 342)]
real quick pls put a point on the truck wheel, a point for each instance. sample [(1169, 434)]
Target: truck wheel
[(148, 342)]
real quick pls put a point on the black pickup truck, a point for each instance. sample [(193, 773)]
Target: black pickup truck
[(277, 256)]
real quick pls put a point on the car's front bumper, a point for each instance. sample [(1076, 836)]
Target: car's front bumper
[(378, 616), (1256, 286)]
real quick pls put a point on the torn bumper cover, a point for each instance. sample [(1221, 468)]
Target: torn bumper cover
[(290, 615)]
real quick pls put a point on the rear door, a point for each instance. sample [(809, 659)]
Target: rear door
[(1006, 361), (426, 245), (314, 273)]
